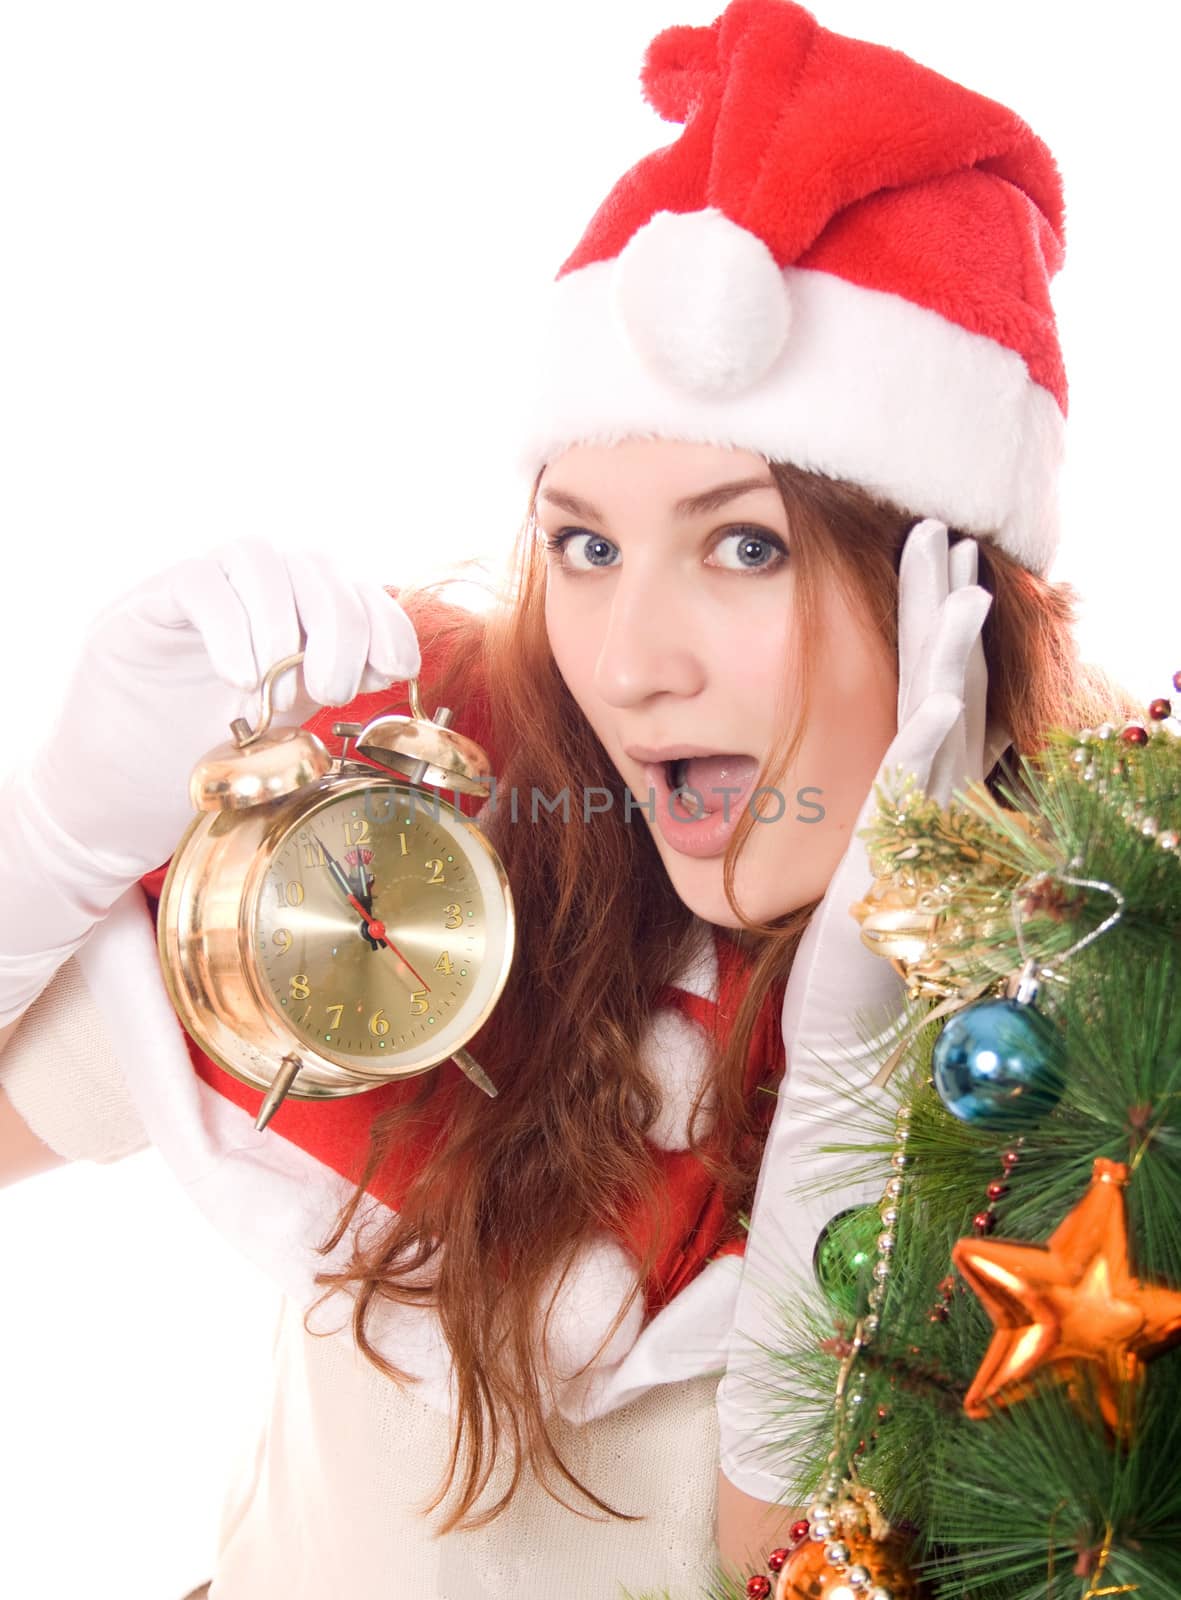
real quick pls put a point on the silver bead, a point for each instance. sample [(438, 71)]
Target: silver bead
[(881, 1271), (1168, 840), (837, 1553), (821, 1507), (1085, 734), (857, 1576), (1079, 756), (902, 1114), (871, 1325), (893, 1188), (886, 1243), (1088, 772), (1149, 827), (855, 1398), (876, 1295), (889, 1215), (1105, 730), (820, 1529), (880, 1592), (899, 1161)]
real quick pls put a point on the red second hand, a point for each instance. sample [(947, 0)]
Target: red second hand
[(376, 930)]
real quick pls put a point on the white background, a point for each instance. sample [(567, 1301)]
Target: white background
[(262, 272)]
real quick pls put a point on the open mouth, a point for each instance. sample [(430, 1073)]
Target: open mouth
[(702, 785)]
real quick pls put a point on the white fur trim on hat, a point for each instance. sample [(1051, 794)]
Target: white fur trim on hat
[(867, 386)]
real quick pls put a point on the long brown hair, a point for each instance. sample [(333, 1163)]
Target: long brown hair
[(519, 1183)]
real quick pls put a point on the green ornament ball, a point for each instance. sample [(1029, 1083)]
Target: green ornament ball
[(844, 1254)]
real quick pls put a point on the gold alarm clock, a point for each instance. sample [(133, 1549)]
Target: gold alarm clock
[(325, 927)]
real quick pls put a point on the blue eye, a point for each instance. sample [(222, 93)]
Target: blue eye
[(582, 551), (750, 550)]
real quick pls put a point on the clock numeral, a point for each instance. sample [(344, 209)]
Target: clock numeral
[(282, 937), (313, 853), (419, 1003), (300, 987), (334, 1024), (454, 916), (356, 830), (436, 866), (379, 1024), (290, 894), (405, 843), (443, 964)]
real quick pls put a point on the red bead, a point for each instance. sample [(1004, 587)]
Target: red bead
[(996, 1190), (1010, 1159), (758, 1587), (937, 1314), (777, 1558), (883, 1413), (947, 1286), (1158, 710), (799, 1530), (983, 1221), (1177, 680), (1134, 734)]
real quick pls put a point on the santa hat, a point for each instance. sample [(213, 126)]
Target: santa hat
[(842, 262)]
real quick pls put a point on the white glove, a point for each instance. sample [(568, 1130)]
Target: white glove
[(162, 673), (839, 990)]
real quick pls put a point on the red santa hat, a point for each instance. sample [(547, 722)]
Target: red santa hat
[(842, 262)]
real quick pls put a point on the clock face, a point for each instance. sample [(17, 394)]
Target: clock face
[(382, 929)]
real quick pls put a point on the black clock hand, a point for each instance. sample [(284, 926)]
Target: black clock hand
[(365, 891), (345, 884), (373, 929)]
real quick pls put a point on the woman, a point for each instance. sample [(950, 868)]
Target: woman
[(793, 350)]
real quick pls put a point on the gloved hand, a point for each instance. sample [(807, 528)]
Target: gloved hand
[(842, 1002), (162, 673)]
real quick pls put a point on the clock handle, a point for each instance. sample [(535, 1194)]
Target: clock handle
[(243, 733), (473, 1071)]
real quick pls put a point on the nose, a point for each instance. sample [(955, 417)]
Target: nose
[(652, 642)]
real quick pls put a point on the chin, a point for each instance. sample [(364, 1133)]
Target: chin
[(763, 889)]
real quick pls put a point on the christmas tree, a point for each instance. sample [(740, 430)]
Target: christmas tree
[(979, 1398)]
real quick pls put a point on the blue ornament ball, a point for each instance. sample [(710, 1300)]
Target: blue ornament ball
[(1000, 1064)]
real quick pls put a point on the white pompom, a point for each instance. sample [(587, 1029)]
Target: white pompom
[(676, 1052), (601, 1277), (702, 301)]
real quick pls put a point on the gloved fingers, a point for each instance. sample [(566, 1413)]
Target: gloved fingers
[(197, 593), (335, 624), (975, 712), (394, 655), (917, 743), (258, 573), (923, 586), (942, 666), (963, 563)]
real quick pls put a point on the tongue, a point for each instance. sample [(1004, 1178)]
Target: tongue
[(709, 775)]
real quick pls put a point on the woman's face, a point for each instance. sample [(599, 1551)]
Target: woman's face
[(671, 612)]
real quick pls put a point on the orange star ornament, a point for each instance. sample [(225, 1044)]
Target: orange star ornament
[(1070, 1303)]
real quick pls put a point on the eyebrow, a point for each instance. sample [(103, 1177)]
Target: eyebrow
[(692, 505)]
